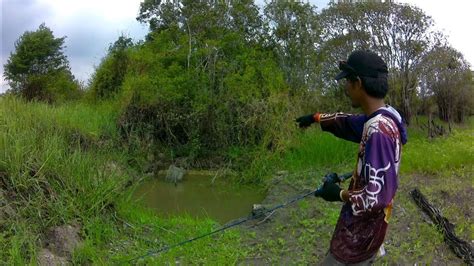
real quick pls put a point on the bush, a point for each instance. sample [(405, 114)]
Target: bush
[(204, 102)]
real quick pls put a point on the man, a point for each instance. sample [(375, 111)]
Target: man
[(363, 220)]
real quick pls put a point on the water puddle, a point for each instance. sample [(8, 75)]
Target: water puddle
[(197, 196)]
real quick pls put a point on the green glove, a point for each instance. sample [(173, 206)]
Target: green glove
[(329, 192)]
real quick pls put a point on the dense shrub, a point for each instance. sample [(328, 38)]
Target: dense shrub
[(223, 94)]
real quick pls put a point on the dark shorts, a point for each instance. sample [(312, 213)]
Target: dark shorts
[(329, 260)]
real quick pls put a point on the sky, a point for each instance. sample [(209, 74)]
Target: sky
[(92, 25)]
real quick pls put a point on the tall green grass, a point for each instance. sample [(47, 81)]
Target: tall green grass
[(49, 179), (308, 154), (314, 148), (52, 179)]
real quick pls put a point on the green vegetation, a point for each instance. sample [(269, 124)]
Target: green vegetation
[(217, 85), (49, 173), (58, 165), (38, 69), (64, 164), (440, 156), (109, 76)]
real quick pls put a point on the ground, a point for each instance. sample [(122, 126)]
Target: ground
[(300, 234)]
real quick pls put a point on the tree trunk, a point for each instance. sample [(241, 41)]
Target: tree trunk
[(406, 110)]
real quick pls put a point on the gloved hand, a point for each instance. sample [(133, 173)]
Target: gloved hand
[(329, 192), (331, 178), (335, 178), (306, 120)]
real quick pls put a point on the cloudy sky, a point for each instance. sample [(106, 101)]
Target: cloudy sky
[(91, 25)]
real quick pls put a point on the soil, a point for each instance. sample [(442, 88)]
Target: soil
[(62, 240), (47, 258), (6, 210), (60, 243)]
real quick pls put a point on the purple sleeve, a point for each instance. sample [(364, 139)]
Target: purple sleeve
[(345, 126), (380, 173)]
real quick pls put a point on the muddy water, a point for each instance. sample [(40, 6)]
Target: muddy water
[(197, 196)]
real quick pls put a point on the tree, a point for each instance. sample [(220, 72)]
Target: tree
[(295, 32), (109, 76), (213, 29), (203, 80), (38, 69), (401, 34), (202, 17), (447, 78)]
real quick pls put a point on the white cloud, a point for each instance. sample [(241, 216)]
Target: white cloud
[(109, 11), (454, 18), (90, 26)]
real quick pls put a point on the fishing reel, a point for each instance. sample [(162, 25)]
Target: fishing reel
[(333, 178)]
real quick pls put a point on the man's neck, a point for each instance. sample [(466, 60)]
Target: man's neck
[(371, 105)]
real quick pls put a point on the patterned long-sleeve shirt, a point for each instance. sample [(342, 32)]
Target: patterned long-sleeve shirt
[(363, 220)]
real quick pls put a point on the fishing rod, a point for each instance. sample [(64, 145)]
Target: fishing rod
[(329, 178)]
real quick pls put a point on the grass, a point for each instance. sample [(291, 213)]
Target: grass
[(63, 164), (60, 165), (439, 155), (314, 149), (49, 180), (310, 153), (141, 233)]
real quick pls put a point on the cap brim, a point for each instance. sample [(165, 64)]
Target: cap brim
[(341, 75)]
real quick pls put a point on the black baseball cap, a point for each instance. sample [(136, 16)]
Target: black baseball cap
[(362, 63)]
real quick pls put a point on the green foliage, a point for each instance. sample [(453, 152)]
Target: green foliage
[(295, 33), (315, 149), (221, 93), (52, 171), (447, 78), (109, 75), (145, 232), (51, 180), (214, 75), (204, 19), (313, 152), (38, 69)]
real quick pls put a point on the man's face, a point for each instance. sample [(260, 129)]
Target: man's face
[(353, 90)]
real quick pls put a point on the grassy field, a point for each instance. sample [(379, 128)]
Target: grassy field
[(65, 164)]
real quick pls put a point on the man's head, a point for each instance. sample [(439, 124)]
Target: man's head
[(364, 70)]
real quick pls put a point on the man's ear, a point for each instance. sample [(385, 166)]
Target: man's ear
[(358, 84)]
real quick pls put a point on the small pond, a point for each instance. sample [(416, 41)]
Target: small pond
[(198, 196)]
